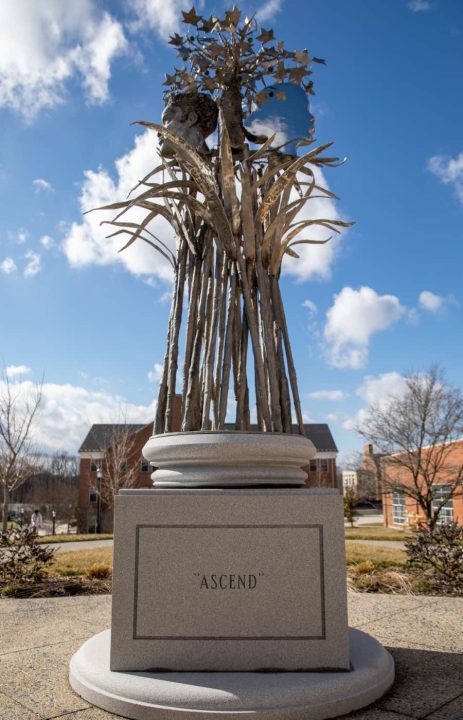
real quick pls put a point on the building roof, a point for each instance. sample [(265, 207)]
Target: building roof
[(100, 436), (321, 436)]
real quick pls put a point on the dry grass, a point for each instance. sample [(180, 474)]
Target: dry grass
[(79, 562), (375, 532), (380, 557)]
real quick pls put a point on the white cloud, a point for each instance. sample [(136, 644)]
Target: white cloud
[(47, 242), (431, 302), (376, 391), (162, 16), (449, 171), (13, 371), (353, 318), (20, 237), (41, 184), (419, 5), (155, 374), (328, 395), (8, 266), (268, 10), (86, 243), (67, 412), (45, 44), (315, 260), (311, 307), (33, 265)]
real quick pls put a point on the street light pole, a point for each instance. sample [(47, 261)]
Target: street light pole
[(99, 475)]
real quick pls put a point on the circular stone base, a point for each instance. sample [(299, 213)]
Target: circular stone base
[(231, 695)]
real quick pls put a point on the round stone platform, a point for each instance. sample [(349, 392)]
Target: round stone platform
[(232, 695)]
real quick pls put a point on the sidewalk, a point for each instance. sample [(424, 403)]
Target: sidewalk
[(425, 635)]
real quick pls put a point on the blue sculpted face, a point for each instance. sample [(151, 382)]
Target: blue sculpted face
[(283, 110)]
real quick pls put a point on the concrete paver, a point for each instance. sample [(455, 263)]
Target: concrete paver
[(424, 634), (450, 711)]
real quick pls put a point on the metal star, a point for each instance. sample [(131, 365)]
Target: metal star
[(209, 84), (176, 39), (297, 74), (281, 73), (233, 16), (302, 57), (265, 36), (208, 24), (191, 18)]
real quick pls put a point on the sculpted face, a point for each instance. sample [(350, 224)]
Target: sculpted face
[(283, 110), (183, 124)]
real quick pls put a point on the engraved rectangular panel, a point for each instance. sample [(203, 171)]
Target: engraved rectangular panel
[(206, 577)]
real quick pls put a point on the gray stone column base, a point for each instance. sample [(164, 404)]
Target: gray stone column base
[(232, 695)]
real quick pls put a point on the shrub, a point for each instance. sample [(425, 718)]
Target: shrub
[(364, 568), (22, 558), (98, 571), (442, 548), (350, 503)]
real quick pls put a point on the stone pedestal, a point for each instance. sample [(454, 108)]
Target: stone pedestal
[(229, 580), (230, 603)]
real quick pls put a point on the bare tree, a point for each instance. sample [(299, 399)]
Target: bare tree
[(121, 463), (417, 432), (65, 472), (18, 410)]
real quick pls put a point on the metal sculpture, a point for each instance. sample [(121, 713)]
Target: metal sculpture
[(234, 210)]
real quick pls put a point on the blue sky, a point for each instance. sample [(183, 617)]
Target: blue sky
[(383, 300)]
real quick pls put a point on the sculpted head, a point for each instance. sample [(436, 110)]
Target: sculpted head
[(191, 115)]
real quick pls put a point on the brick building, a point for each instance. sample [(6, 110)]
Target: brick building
[(369, 482), (365, 480), (401, 511), (94, 514)]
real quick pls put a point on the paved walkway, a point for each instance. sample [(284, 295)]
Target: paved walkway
[(424, 634), (82, 545)]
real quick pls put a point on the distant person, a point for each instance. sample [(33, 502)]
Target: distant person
[(36, 521)]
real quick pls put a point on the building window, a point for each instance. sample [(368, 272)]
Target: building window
[(94, 465), (313, 466), (398, 507), (439, 493), (324, 465), (93, 495), (144, 465), (123, 466)]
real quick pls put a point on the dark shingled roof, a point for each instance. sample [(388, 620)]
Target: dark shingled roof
[(321, 436), (99, 436)]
